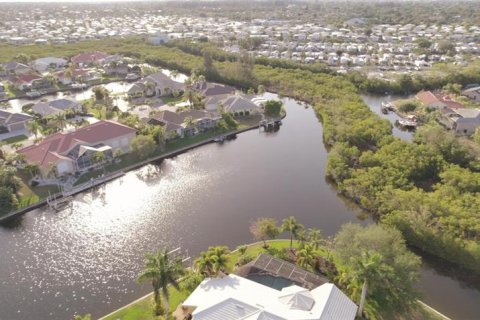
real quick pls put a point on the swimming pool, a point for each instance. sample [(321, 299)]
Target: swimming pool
[(277, 283)]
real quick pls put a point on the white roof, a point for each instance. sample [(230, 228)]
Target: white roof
[(297, 298), (236, 298)]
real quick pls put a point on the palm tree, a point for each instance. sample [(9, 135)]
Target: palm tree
[(61, 120), (212, 261), (306, 256), (314, 237), (162, 272), (367, 267), (34, 127), (291, 225)]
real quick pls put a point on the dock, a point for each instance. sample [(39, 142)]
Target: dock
[(270, 125)]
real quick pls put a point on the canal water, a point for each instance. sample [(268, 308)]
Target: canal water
[(375, 104), (85, 258)]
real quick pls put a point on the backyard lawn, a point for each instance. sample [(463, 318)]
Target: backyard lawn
[(15, 139)]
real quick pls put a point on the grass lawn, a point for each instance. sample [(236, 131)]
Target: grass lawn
[(172, 100), (15, 139), (143, 309), (29, 195)]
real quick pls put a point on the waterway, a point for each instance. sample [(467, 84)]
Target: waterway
[(86, 258), (375, 104)]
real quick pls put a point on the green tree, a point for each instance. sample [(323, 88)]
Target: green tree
[(143, 146), (273, 108), (162, 272), (263, 229), (379, 258), (291, 225), (212, 261), (22, 58), (98, 157), (307, 256), (84, 317), (100, 93), (60, 120), (314, 237), (34, 127)]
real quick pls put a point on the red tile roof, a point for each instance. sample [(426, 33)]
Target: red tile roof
[(428, 97), (89, 57), (56, 146)]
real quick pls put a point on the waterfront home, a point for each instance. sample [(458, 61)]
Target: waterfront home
[(23, 81), (15, 68), (88, 58), (67, 77), (437, 100), (238, 104), (67, 153), (48, 63), (176, 124), (233, 297), (55, 107), (163, 85), (11, 122), (461, 120), (213, 93), (472, 93)]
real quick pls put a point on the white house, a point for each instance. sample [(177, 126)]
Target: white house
[(233, 297), (472, 93), (463, 121), (48, 63)]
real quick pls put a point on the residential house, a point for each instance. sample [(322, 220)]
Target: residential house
[(137, 89), (55, 107), (116, 68), (237, 104), (175, 125), (67, 77), (11, 122), (15, 68), (437, 100), (67, 153), (472, 93), (88, 58), (24, 81), (213, 93), (164, 85), (236, 298), (461, 120), (41, 83), (48, 63)]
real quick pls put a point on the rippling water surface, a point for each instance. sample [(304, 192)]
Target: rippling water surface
[(86, 257)]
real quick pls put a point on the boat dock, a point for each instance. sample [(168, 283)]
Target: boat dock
[(270, 125)]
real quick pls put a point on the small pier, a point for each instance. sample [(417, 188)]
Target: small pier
[(59, 202), (270, 125)]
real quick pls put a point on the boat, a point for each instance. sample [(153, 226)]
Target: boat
[(78, 86), (407, 123), (219, 139), (33, 94)]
